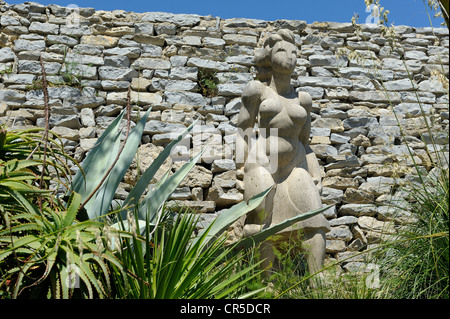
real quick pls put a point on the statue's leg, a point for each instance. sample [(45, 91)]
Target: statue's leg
[(257, 180), (313, 245), (268, 257), (298, 194)]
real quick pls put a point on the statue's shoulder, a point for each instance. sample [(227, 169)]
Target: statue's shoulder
[(253, 89)]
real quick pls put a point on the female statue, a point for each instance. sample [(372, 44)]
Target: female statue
[(280, 156)]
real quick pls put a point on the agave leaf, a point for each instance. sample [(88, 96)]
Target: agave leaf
[(144, 218), (138, 190), (4, 254), (225, 219), (124, 226), (265, 233), (65, 279), (22, 187), (94, 165), (153, 202), (104, 268), (80, 271), (19, 279), (107, 191)]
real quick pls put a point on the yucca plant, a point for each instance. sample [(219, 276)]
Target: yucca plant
[(170, 265), (172, 261)]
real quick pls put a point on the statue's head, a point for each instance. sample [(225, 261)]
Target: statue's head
[(279, 54)]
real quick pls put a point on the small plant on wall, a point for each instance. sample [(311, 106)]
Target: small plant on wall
[(207, 82)]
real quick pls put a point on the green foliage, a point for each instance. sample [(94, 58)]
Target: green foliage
[(41, 242), (25, 166), (71, 73), (8, 70), (105, 166), (207, 82), (170, 265), (70, 76), (417, 262), (50, 250)]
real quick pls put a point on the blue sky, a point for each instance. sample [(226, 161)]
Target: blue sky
[(402, 12)]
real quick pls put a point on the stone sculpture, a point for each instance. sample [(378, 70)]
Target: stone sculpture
[(280, 155)]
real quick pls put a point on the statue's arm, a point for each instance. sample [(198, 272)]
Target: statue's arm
[(251, 99), (311, 159)]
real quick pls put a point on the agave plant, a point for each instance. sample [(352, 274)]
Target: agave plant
[(105, 166)]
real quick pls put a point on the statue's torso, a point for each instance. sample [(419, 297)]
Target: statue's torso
[(280, 120)]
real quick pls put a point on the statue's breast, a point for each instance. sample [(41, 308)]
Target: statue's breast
[(280, 112)]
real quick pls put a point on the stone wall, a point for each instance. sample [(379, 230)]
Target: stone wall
[(356, 78)]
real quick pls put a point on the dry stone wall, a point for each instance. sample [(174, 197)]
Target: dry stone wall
[(362, 88)]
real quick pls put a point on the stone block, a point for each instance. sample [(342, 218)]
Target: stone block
[(185, 98), (328, 60), (76, 31), (357, 196), (199, 176), (159, 127), (334, 246), (43, 28), (223, 165), (341, 232), (181, 20), (341, 183), (240, 39), (6, 54), (116, 73), (69, 121), (344, 220), (208, 64), (372, 224), (100, 40), (27, 45), (327, 82), (358, 210), (166, 28)]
